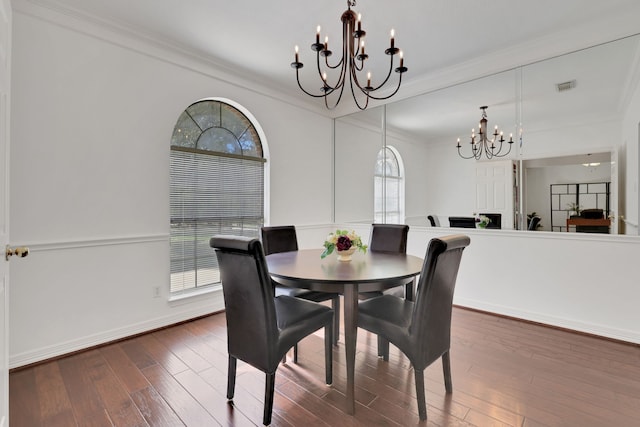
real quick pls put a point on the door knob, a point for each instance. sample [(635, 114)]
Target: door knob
[(20, 251)]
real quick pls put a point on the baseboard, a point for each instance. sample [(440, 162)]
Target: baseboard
[(83, 343), (617, 334)]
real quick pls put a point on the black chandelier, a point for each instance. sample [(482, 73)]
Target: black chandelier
[(352, 62), (481, 144)]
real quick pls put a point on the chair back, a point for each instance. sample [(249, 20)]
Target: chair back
[(435, 222), (462, 221), (278, 239), (430, 328), (533, 224), (248, 298), (592, 213), (389, 238)]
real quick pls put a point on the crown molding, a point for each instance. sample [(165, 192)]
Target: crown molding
[(551, 45), (159, 48)]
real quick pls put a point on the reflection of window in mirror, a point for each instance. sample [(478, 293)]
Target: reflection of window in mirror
[(389, 187)]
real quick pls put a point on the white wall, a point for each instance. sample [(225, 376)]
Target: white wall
[(355, 160), (577, 281), (92, 120), (450, 183)]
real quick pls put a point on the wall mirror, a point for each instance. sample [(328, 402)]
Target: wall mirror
[(358, 139), (569, 109)]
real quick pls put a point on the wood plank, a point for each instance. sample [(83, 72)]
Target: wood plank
[(116, 400), (161, 354), (88, 407), (505, 372), (180, 400), (154, 409), (55, 407), (213, 401), (124, 368), (24, 399)]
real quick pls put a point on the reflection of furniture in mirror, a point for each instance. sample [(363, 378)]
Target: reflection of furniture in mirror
[(462, 221), (533, 223), (590, 221), (590, 197), (592, 117), (495, 189), (496, 220), (540, 174), (433, 220)]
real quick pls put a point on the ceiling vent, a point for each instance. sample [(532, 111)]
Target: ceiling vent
[(562, 87)]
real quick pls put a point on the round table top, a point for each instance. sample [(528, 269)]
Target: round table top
[(373, 267)]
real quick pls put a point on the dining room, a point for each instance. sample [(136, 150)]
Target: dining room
[(544, 326)]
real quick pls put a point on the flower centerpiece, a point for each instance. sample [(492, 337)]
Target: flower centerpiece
[(344, 243), (482, 221)]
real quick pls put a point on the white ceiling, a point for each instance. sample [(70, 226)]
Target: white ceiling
[(255, 39), (460, 54)]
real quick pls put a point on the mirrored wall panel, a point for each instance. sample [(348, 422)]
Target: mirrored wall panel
[(567, 115)]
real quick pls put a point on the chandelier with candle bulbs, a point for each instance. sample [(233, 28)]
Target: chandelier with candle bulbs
[(481, 143), (351, 64)]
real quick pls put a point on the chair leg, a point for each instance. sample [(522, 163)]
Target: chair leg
[(335, 305), (231, 377), (422, 404), (446, 368), (383, 348), (295, 353), (269, 388), (328, 354), (409, 291)]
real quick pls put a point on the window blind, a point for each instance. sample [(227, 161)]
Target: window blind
[(210, 194), (387, 209)]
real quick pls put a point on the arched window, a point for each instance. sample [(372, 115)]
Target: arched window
[(216, 187), (389, 187)]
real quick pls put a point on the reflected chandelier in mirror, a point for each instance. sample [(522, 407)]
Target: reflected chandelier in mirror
[(483, 144)]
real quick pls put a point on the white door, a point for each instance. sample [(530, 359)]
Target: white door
[(5, 79), (494, 190)]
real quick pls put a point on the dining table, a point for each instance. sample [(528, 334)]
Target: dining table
[(366, 272)]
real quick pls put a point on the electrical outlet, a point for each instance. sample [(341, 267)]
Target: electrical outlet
[(156, 291)]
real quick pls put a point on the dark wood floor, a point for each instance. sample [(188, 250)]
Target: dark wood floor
[(505, 373)]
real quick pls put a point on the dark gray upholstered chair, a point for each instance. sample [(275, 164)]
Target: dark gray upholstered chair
[(283, 238), (533, 223), (433, 220), (462, 221), (390, 238), (420, 329), (261, 328)]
